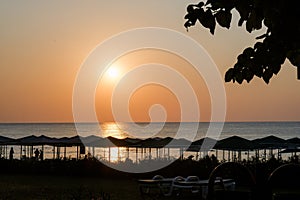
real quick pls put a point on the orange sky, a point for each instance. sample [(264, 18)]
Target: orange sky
[(43, 45)]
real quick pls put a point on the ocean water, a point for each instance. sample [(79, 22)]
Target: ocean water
[(189, 130), (249, 130)]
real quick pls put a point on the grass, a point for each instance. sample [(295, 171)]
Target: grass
[(65, 187)]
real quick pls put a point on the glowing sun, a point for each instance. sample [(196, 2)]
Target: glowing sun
[(112, 72)]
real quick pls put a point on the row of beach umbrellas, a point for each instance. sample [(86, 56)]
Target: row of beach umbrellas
[(233, 143)]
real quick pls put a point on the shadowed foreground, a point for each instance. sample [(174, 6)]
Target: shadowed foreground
[(62, 187), (91, 179)]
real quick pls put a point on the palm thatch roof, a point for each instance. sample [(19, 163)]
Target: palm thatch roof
[(271, 142), (5, 140), (204, 144), (235, 143)]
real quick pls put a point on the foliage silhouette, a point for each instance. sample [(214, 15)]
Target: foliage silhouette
[(266, 57)]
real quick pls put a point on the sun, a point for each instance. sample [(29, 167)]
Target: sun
[(113, 72)]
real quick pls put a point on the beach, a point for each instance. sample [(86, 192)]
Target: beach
[(247, 130)]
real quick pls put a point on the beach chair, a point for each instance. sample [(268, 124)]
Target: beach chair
[(169, 191), (284, 182), (188, 188), (155, 188), (231, 180)]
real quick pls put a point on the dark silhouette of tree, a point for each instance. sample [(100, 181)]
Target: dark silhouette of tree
[(281, 40)]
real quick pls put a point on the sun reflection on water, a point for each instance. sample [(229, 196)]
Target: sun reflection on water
[(112, 129)]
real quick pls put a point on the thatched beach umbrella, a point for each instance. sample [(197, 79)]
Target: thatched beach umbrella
[(69, 142), (292, 146), (235, 143), (271, 142), (29, 142), (98, 142), (133, 143), (293, 143), (198, 144), (290, 151), (4, 141), (202, 146)]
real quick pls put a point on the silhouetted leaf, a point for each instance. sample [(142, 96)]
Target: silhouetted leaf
[(241, 21), (237, 66), (190, 8), (247, 75), (229, 75), (268, 73), (207, 20), (258, 45), (224, 18), (243, 8), (210, 2), (294, 57), (276, 68), (257, 70), (251, 22), (242, 58), (200, 4), (239, 77), (248, 52)]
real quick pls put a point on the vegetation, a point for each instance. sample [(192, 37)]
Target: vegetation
[(266, 57)]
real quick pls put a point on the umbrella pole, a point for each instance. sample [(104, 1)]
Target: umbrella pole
[(21, 153), (58, 152), (65, 152), (31, 152), (127, 150), (136, 154), (77, 155), (42, 158), (248, 155), (118, 153), (104, 149), (228, 156), (109, 154)]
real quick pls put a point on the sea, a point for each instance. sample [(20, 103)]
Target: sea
[(189, 130)]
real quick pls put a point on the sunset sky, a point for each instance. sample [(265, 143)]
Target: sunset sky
[(44, 44)]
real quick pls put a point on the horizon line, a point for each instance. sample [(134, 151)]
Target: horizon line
[(69, 122)]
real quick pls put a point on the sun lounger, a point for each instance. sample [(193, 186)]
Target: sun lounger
[(240, 186), (155, 188), (284, 182), (179, 187)]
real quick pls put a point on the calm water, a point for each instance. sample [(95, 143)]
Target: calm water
[(249, 130)]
